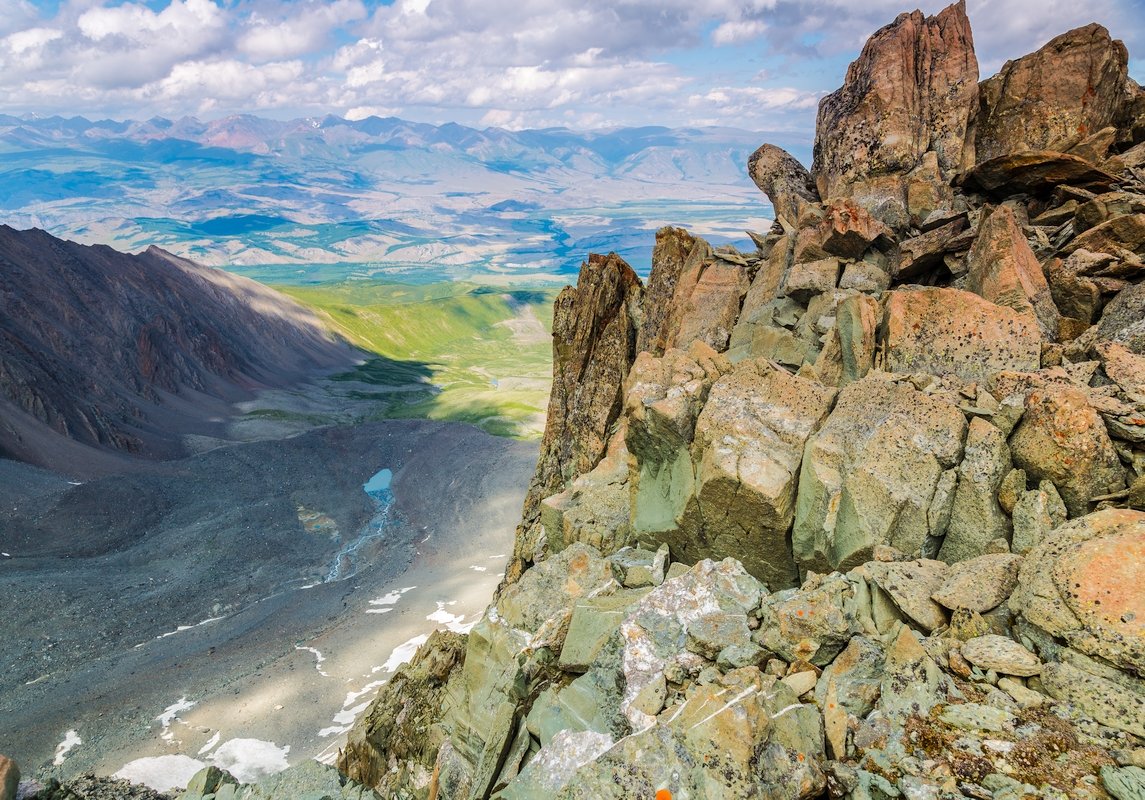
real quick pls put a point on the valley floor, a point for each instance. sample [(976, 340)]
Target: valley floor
[(196, 623)]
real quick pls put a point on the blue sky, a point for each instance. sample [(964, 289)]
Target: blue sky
[(755, 64)]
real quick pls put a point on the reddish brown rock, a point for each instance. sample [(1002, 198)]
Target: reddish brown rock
[(848, 230), (911, 91), (1085, 584), (1062, 439), (1004, 270), (1034, 172), (785, 181), (594, 343), (1051, 99), (708, 296), (1113, 236), (9, 778), (925, 251), (669, 257), (1123, 320), (949, 331)]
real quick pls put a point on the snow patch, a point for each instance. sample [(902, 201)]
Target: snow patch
[(214, 740), (391, 598), (378, 610), (476, 568), (402, 653), (161, 773), (453, 622), (170, 714), (318, 657), (250, 760), (70, 742)]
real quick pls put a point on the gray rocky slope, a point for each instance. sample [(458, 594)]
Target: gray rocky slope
[(105, 354), (857, 514)]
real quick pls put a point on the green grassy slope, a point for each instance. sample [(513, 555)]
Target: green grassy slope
[(449, 351)]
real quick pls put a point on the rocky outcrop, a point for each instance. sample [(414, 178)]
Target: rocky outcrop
[(1052, 99), (786, 182), (594, 343), (910, 93), (866, 521)]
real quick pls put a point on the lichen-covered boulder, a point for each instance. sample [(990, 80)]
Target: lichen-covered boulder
[(949, 331), (869, 475), (785, 181), (1062, 439), (1085, 584), (1051, 99)]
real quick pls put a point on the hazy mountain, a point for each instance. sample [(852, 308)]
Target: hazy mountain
[(103, 351), (392, 195)]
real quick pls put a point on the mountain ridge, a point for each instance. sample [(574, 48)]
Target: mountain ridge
[(103, 352)]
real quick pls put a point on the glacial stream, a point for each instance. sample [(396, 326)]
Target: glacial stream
[(348, 560)]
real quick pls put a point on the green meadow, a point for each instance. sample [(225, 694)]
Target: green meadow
[(445, 351)]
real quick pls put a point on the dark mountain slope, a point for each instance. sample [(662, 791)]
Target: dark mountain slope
[(125, 353)]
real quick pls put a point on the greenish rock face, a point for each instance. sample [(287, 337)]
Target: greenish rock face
[(813, 625), (870, 473), (552, 587), (746, 737), (594, 620), (1105, 701), (1124, 783), (661, 499), (748, 446), (976, 518)]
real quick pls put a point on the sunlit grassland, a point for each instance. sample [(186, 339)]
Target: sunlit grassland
[(446, 351)]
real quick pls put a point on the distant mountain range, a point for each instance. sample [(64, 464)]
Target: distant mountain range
[(388, 195), (107, 353)]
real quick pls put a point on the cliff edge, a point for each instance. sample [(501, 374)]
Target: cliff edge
[(857, 514)]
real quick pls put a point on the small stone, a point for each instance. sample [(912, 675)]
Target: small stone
[(974, 717), (735, 656), (1023, 696), (1011, 490), (992, 652), (979, 584), (958, 665), (910, 585), (966, 625), (801, 682)]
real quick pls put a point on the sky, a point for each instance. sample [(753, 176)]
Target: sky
[(755, 64)]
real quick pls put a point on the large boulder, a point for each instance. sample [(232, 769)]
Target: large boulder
[(869, 475), (748, 447), (1004, 270), (849, 352), (1053, 98), (1062, 439), (1085, 585), (785, 181), (911, 91), (949, 331)]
